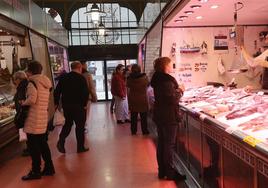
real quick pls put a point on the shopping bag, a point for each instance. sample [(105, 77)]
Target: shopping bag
[(22, 135), (58, 119)]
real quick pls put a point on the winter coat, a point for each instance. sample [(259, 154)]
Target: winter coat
[(118, 86), (21, 111), (37, 99), (167, 95), (72, 90), (91, 87), (137, 93)]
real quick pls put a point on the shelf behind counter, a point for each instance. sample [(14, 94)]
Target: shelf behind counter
[(214, 158)]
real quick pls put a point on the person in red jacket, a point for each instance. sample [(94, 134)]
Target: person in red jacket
[(119, 91)]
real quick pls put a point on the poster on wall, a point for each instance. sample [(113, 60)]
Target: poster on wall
[(220, 43)]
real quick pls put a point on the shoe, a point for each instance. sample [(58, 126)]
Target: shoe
[(60, 147), (120, 122), (31, 176), (49, 172), (177, 177), (82, 150), (127, 121)]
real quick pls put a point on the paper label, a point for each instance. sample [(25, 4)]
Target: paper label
[(251, 140)]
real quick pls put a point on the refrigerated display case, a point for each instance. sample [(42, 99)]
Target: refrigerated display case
[(7, 113)]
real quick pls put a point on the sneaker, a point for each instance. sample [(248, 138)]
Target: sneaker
[(82, 150), (31, 176), (47, 172)]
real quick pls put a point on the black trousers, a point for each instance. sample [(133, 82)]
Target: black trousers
[(166, 145), (134, 117), (73, 114), (37, 145)]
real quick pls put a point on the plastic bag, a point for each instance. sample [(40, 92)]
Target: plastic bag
[(22, 135), (58, 119)]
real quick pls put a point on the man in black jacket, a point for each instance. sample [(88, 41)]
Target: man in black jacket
[(73, 91)]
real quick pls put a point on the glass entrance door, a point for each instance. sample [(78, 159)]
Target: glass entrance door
[(97, 70)]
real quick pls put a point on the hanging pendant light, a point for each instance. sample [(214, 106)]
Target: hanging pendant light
[(95, 13)]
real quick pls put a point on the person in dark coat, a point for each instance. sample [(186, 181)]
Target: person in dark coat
[(137, 84), (73, 91), (166, 116), (21, 82)]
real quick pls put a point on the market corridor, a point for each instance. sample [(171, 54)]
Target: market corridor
[(115, 159)]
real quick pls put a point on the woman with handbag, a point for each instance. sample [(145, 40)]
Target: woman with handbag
[(21, 82)]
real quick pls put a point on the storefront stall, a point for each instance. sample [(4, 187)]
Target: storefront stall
[(23, 36), (58, 59), (15, 50), (222, 140)]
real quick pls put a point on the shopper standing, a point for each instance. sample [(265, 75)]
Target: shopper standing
[(91, 87), (166, 116), (119, 91), (21, 82), (137, 84), (73, 92), (36, 122)]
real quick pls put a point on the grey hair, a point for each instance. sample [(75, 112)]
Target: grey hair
[(20, 75)]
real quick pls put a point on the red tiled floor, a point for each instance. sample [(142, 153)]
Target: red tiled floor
[(115, 160)]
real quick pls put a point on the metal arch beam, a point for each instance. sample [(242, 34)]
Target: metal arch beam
[(66, 8)]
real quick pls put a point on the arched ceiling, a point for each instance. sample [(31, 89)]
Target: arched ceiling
[(67, 7)]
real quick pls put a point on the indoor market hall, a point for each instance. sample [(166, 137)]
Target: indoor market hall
[(134, 93)]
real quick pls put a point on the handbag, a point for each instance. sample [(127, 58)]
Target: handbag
[(58, 119), (22, 135)]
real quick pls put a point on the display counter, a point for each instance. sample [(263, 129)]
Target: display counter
[(216, 152), (8, 131)]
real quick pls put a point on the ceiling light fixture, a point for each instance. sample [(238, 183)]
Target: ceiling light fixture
[(179, 20), (199, 17), (214, 6), (189, 12), (196, 6), (96, 13), (183, 17)]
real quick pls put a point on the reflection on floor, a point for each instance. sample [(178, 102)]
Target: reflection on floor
[(115, 160)]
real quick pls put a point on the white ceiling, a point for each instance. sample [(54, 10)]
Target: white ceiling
[(254, 12)]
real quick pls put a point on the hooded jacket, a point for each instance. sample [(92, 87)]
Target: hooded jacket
[(37, 99), (167, 95), (137, 94)]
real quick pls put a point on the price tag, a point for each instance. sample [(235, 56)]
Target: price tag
[(251, 140)]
